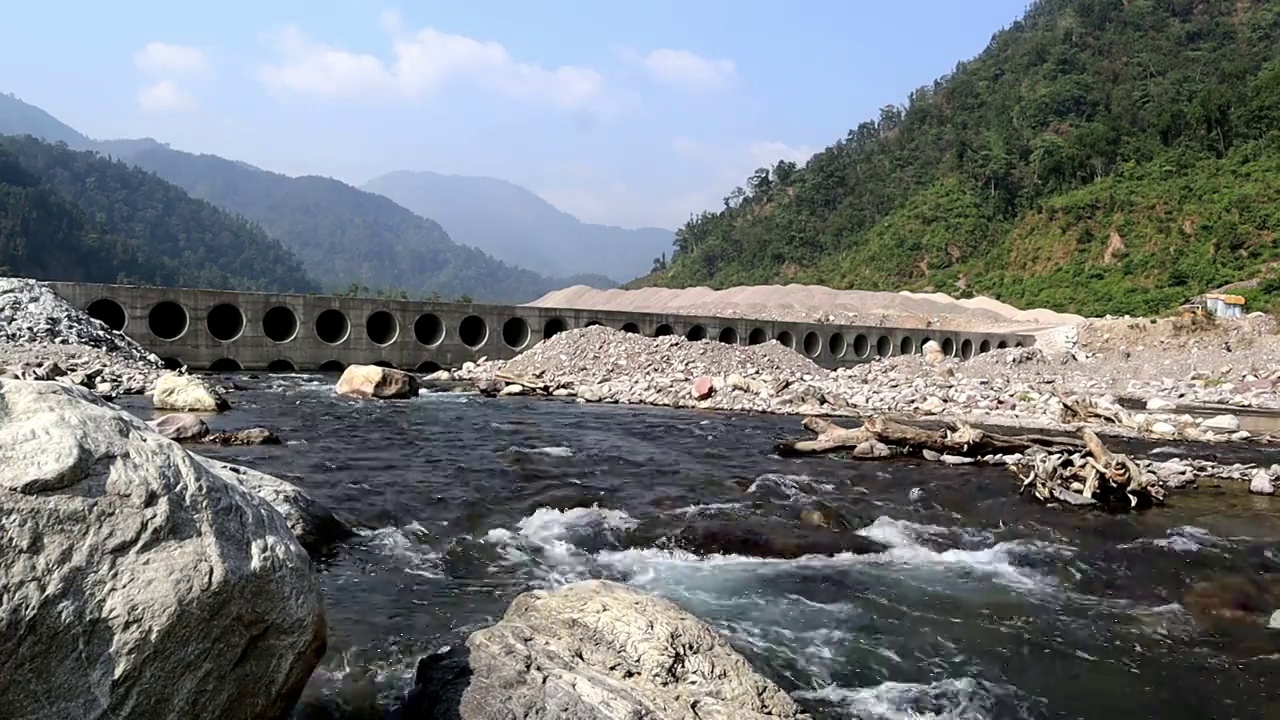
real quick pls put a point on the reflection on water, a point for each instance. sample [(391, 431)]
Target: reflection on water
[(982, 605)]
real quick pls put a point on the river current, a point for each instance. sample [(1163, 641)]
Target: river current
[(984, 606)]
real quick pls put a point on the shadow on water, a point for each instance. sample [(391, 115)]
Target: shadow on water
[(966, 602)]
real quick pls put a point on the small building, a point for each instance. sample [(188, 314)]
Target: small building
[(1221, 305)]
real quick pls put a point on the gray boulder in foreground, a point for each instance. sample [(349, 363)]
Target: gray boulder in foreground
[(135, 582), (595, 650)]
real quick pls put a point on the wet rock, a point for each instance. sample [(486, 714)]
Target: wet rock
[(250, 436), (1274, 623), (186, 393), (375, 382), (1233, 600), (135, 582), (180, 426), (1156, 404), (764, 539), (313, 524), (512, 389), (595, 650), (1262, 483), (702, 388)]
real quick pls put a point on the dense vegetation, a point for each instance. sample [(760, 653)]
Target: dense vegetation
[(1099, 156), (74, 215), (345, 235)]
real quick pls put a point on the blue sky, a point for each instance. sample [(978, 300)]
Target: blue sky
[(627, 114)]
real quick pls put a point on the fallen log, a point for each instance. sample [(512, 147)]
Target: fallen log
[(958, 438), (1053, 469)]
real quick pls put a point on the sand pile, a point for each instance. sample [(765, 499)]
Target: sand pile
[(814, 303)]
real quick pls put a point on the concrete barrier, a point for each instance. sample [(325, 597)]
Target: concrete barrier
[(224, 330)]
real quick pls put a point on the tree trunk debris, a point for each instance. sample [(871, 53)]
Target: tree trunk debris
[(1074, 471)]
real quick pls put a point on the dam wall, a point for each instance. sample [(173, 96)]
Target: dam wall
[(231, 330)]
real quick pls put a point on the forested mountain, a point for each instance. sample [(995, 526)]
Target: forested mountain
[(345, 235), (513, 223), (74, 215), (1099, 156)]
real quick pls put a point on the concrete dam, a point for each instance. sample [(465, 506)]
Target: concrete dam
[(226, 330)]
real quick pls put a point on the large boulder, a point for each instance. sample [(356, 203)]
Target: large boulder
[(313, 524), (186, 393), (372, 381), (135, 582), (595, 650), (933, 352)]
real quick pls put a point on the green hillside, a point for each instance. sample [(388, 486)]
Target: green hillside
[(1099, 156), (74, 215)]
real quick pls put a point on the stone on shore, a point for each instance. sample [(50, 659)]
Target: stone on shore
[(376, 382), (1261, 483), (135, 582), (187, 393), (933, 352), (1157, 404), (595, 650), (180, 427)]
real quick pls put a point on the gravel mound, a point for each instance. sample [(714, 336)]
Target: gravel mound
[(814, 303), (43, 337), (598, 354)]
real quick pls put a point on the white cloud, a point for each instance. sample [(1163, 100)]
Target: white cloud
[(168, 60), (685, 70), (419, 65), (165, 96)]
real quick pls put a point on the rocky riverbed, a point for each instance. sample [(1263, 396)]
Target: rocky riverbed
[(42, 337), (1023, 387)]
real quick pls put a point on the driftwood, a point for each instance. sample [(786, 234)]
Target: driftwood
[(960, 439), (1053, 469)]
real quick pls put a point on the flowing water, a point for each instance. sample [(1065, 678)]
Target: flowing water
[(984, 605)]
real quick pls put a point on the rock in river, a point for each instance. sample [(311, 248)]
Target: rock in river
[(135, 582), (372, 381), (186, 393), (595, 650)]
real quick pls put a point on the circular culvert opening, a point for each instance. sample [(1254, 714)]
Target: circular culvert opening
[(729, 336), (837, 344), (966, 349), (553, 327), (1018, 344), (695, 333), (167, 320), (907, 346), (812, 344), (786, 339), (473, 331), (948, 347), (1002, 345), (758, 337), (385, 364), (280, 324), (428, 329), (332, 326), (109, 312), (225, 322), (382, 327), (861, 346), (985, 347), (223, 365), (593, 323), (172, 363), (884, 346), (427, 367), (630, 328), (515, 333), (663, 330), (332, 366), (281, 366)]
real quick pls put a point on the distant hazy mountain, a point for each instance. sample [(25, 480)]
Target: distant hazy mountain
[(517, 226), (342, 234)]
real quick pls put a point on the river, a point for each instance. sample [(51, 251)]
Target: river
[(985, 605)]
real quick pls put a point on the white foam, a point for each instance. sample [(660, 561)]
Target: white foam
[(415, 558), (795, 488), (558, 451), (950, 699)]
